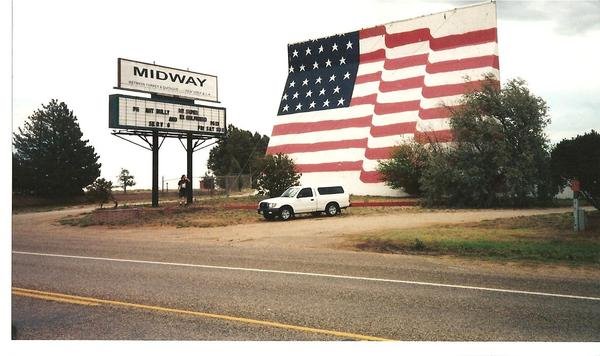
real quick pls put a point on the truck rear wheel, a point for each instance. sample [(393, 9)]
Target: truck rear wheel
[(332, 209)]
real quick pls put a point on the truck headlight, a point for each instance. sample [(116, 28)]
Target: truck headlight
[(272, 205)]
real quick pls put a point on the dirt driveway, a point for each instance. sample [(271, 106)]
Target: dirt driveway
[(319, 232)]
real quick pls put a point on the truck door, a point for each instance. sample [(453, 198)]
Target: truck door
[(306, 201)]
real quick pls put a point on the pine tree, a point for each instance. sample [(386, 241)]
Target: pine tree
[(50, 158)]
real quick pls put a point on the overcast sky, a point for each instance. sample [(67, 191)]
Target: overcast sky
[(68, 50)]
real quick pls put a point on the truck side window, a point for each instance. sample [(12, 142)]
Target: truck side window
[(306, 192)]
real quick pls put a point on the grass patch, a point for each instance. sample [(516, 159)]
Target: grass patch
[(544, 238)]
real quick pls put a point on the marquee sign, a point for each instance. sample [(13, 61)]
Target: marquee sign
[(130, 112), (152, 78)]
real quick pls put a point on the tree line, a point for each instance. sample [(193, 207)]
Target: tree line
[(499, 156)]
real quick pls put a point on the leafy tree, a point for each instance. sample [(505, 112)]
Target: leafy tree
[(101, 191), (279, 173), (579, 158), (499, 153), (404, 167), (50, 158), (125, 179), (240, 152)]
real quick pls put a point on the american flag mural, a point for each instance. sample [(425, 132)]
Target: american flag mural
[(349, 98)]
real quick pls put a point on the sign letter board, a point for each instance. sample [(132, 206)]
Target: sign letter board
[(130, 112)]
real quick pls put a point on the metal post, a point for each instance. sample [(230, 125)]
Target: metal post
[(154, 169), (190, 152), (162, 186)]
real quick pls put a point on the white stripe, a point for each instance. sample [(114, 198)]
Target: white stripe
[(407, 50), (369, 68), (441, 101), (458, 76), (323, 275), (450, 22), (389, 141), (395, 118), (479, 50), (351, 133), (341, 155), (403, 73), (365, 89), (400, 96), (433, 125), (325, 115)]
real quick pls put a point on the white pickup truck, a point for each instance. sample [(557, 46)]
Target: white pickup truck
[(302, 200)]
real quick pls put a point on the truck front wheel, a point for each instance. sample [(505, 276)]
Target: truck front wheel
[(332, 209), (285, 213)]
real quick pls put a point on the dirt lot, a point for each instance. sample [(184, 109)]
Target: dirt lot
[(305, 232)]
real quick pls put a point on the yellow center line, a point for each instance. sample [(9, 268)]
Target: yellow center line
[(66, 298)]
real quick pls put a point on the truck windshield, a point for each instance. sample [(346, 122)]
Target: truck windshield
[(290, 192)]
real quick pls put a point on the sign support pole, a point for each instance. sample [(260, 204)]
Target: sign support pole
[(190, 151), (155, 168)]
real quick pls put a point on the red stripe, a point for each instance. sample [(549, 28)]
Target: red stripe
[(319, 146), (404, 38), (366, 78), (402, 84), (303, 127), (378, 153), (451, 89), (329, 167), (464, 39), (434, 136), (371, 32), (375, 56), (435, 113), (405, 62), (394, 129), (461, 64), (389, 108), (370, 177), (362, 100)]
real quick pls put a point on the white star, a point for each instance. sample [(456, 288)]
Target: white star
[(336, 89), (284, 96), (341, 101), (322, 92), (302, 68), (347, 75), (318, 80), (305, 82), (334, 47), (326, 103), (321, 49), (291, 69), (312, 105), (309, 93), (292, 84), (295, 96), (328, 63), (348, 45), (315, 65), (332, 78), (342, 60), (295, 53), (298, 107), (308, 51), (285, 108)]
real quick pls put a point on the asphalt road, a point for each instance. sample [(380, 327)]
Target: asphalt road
[(180, 289)]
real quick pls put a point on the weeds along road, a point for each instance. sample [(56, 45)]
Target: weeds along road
[(281, 281)]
